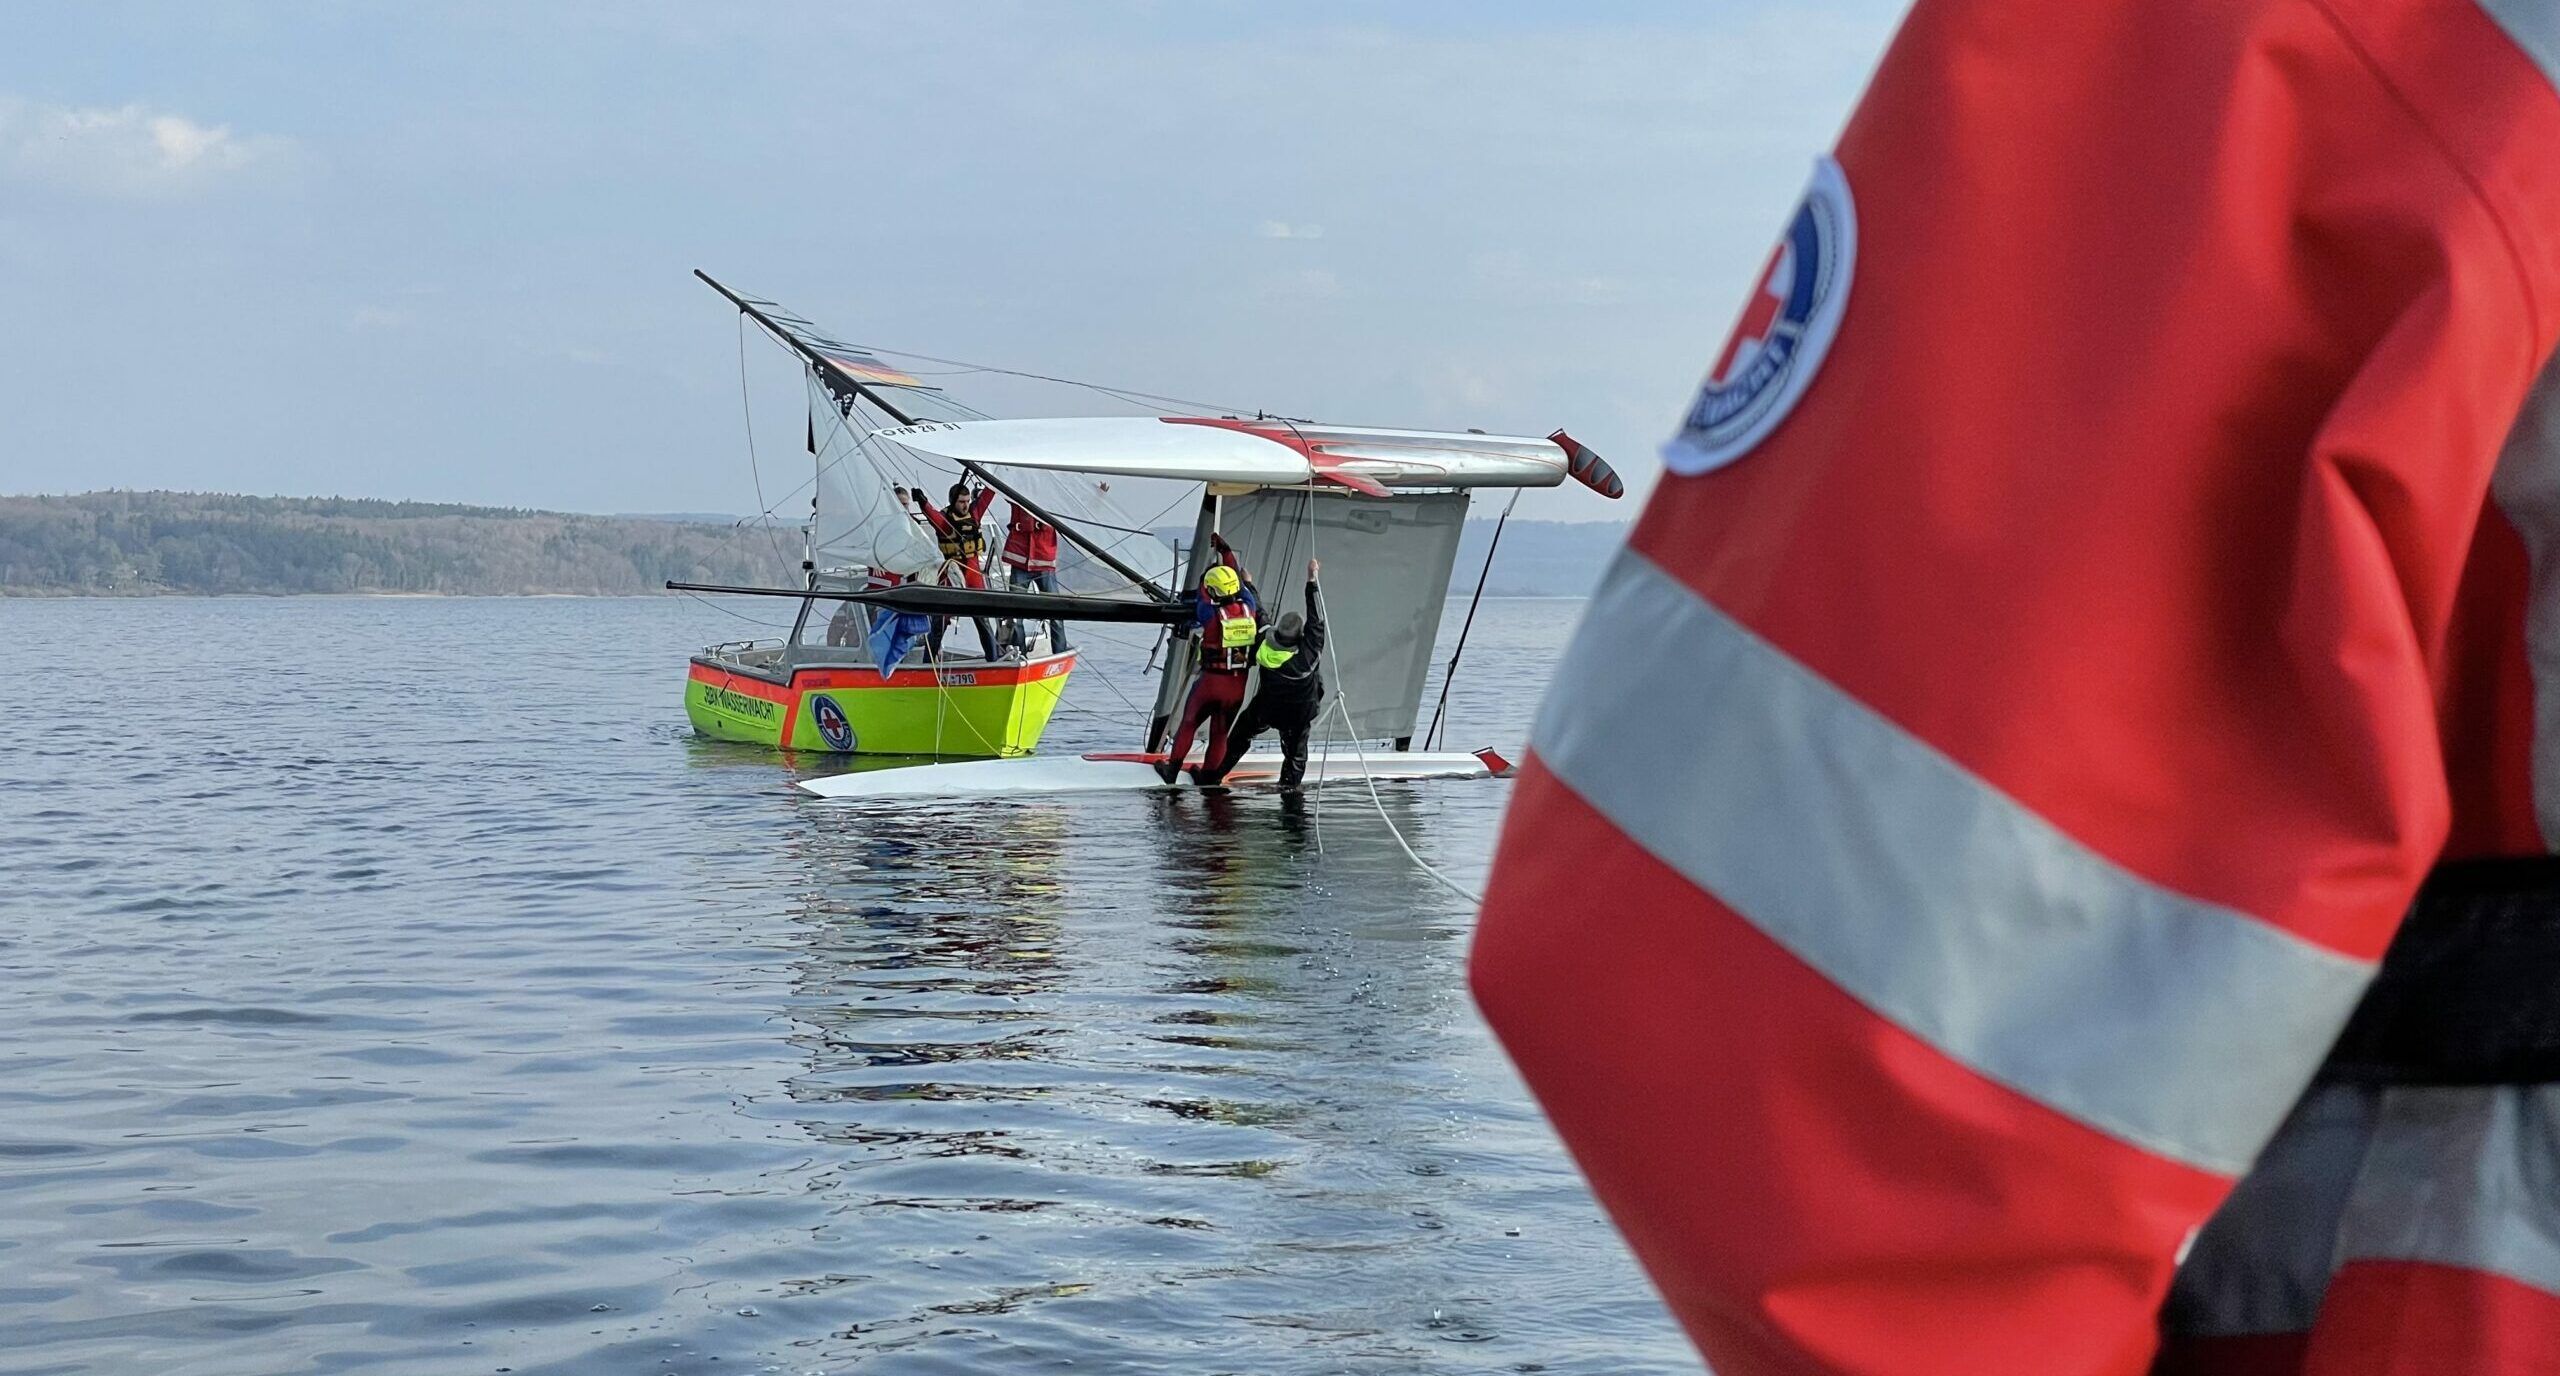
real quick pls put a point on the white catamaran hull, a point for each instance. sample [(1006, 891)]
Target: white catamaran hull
[(1115, 773), (1262, 453)]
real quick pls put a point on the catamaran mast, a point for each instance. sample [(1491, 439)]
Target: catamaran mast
[(1180, 648), (820, 361)]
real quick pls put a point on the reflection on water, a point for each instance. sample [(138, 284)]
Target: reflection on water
[(389, 1007)]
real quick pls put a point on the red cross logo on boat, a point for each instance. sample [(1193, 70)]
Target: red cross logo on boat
[(1760, 318)]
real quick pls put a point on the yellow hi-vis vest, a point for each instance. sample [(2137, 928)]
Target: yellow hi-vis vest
[(1233, 636), (1271, 656)]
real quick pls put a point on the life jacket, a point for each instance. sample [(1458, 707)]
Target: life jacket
[(1229, 642), (2116, 556), (960, 535)]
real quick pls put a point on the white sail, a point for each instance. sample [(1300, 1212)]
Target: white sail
[(863, 522), (1387, 562), (859, 523)]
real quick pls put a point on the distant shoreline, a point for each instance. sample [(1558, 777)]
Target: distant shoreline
[(180, 595), (194, 544)]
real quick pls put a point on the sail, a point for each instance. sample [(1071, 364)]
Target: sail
[(1386, 578), (858, 521), (858, 459), (862, 522)]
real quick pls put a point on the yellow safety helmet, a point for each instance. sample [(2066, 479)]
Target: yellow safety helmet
[(1221, 581)]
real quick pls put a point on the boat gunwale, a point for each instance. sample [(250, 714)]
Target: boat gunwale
[(951, 674)]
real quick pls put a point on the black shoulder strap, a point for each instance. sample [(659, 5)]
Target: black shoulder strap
[(2469, 993)]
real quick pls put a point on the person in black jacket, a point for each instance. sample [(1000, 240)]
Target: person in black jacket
[(1287, 695)]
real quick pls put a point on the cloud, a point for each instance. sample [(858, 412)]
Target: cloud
[(126, 151), (377, 318), (1277, 229)]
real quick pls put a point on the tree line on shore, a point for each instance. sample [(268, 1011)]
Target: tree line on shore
[(130, 543), (188, 542)]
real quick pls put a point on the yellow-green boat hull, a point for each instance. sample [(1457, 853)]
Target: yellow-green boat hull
[(964, 711)]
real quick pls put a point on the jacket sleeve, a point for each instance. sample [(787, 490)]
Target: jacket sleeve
[(1315, 622), (1966, 816), (986, 499)]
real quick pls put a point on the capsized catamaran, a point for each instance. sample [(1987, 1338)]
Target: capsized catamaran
[(1383, 509), (832, 686)]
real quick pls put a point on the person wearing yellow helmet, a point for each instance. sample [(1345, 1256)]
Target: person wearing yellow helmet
[(1227, 617), (1288, 696)]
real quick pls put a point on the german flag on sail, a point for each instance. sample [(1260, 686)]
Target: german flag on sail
[(863, 367)]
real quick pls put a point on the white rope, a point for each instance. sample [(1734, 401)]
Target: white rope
[(1342, 706)]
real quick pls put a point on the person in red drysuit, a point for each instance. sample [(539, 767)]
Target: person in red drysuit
[(1227, 618), (2115, 564)]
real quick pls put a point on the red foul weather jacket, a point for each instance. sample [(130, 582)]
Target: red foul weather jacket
[(2116, 560), (1030, 544)]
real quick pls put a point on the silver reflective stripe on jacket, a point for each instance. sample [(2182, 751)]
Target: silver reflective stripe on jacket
[(2462, 1177), (1943, 904)]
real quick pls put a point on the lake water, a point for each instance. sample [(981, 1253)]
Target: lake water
[(398, 986)]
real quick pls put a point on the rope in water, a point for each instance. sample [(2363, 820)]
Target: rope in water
[(1342, 706)]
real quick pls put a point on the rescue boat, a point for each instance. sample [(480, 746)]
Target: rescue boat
[(773, 694)]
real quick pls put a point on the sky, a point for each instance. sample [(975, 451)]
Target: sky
[(444, 251)]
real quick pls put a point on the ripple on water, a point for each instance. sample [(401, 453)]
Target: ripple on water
[(463, 1013)]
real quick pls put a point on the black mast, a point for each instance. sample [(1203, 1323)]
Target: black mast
[(829, 366)]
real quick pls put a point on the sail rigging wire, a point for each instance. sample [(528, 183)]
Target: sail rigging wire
[(742, 616), (1130, 395), (1457, 652), (1342, 706), (754, 468)]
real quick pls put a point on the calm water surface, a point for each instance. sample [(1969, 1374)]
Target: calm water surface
[(398, 986)]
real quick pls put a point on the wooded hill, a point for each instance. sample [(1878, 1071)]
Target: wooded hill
[(187, 542)]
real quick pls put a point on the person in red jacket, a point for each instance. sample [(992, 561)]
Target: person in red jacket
[(1031, 564), (1226, 617), (2113, 564)]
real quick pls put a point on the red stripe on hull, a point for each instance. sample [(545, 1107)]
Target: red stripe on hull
[(1812, 1188), (745, 685), (1005, 675)]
